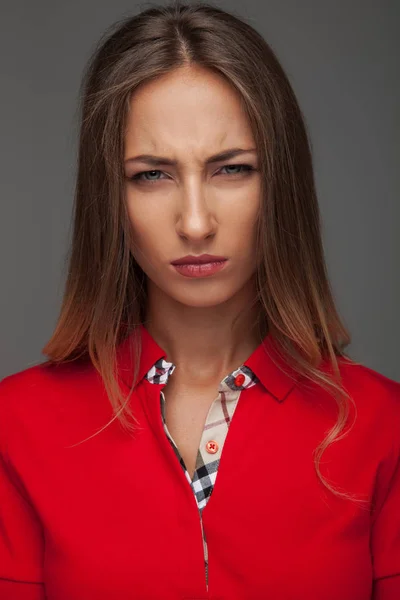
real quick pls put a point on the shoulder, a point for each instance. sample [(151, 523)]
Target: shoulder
[(44, 378), (370, 384), (35, 396), (376, 398), (367, 386)]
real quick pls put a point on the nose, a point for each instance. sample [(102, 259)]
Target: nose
[(196, 219)]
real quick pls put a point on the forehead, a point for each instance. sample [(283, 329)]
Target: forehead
[(188, 110)]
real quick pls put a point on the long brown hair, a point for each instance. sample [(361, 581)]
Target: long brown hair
[(105, 294)]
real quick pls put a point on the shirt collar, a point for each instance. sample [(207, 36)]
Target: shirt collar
[(151, 352), (274, 372), (240, 379), (266, 363)]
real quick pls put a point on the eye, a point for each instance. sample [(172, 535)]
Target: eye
[(139, 176), (142, 176), (247, 169)]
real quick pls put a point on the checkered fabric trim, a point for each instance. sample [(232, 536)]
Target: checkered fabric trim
[(160, 371), (215, 429)]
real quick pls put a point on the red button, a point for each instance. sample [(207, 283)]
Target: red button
[(212, 447), (239, 380)]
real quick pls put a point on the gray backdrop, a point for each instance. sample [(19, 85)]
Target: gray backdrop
[(341, 57)]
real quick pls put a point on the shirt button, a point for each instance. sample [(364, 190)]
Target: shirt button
[(212, 447), (239, 380)]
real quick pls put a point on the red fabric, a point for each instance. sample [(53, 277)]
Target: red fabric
[(114, 517)]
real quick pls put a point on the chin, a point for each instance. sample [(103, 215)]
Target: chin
[(201, 298), (202, 302), (203, 293)]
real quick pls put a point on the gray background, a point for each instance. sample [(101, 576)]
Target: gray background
[(341, 57)]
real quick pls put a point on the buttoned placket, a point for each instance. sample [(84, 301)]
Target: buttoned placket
[(213, 436)]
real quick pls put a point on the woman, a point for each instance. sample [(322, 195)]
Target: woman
[(197, 430)]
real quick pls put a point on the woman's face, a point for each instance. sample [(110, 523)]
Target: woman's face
[(184, 204)]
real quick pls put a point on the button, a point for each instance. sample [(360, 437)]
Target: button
[(212, 447), (239, 380)]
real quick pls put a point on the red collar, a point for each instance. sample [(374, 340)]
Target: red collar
[(265, 362), (270, 367)]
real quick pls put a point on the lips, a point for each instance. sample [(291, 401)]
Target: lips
[(196, 267), (199, 260)]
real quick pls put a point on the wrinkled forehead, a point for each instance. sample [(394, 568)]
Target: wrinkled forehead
[(186, 116)]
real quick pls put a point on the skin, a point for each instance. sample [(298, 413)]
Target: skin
[(194, 208)]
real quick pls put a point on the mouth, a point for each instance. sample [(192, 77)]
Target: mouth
[(199, 266)]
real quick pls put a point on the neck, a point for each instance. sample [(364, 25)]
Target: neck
[(205, 343)]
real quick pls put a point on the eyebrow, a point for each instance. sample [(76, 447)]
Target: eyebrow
[(162, 160)]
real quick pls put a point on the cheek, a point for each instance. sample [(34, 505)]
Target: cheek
[(144, 233), (241, 210), (241, 226), (147, 212)]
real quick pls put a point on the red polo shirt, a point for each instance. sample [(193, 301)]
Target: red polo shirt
[(115, 516)]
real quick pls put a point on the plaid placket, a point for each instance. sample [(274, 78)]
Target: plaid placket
[(215, 428)]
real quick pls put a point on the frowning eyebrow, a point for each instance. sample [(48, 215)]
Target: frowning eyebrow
[(156, 161)]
